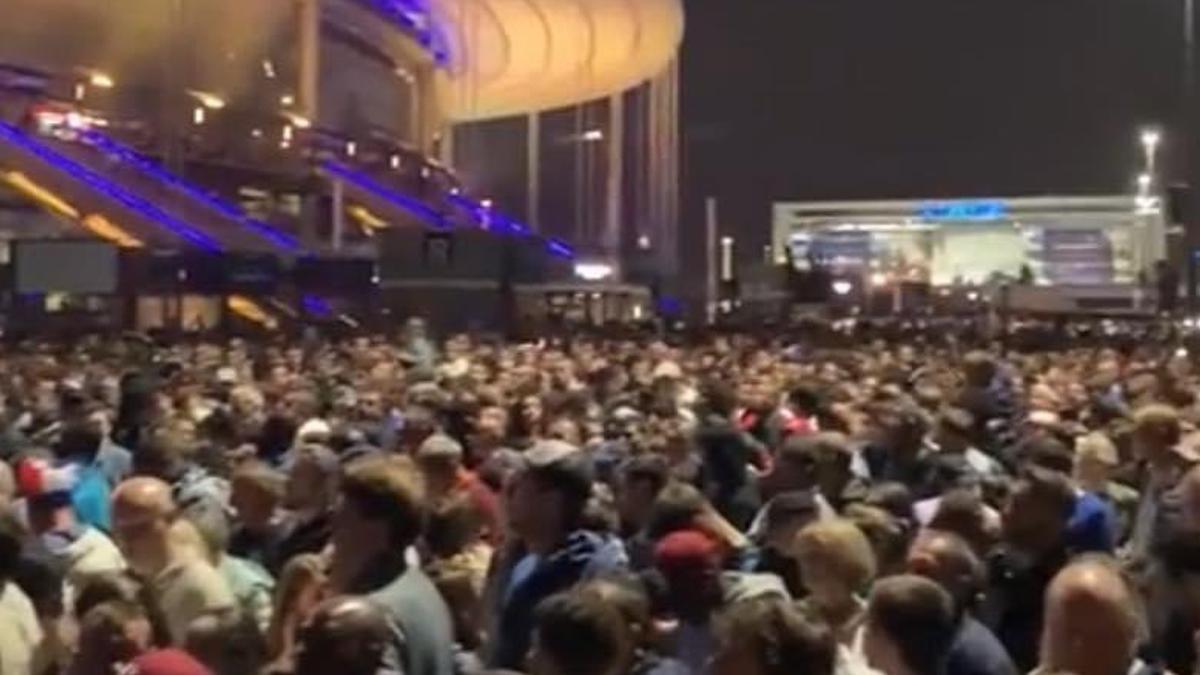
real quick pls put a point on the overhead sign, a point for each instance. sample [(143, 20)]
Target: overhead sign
[(986, 209)]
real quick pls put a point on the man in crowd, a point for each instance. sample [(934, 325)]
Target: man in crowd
[(550, 552), (377, 520), (155, 542)]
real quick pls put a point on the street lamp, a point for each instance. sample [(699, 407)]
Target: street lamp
[(1151, 138)]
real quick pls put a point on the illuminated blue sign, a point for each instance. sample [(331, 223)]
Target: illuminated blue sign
[(963, 210)]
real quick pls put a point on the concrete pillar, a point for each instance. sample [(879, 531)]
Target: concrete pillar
[(615, 175), (309, 44), (339, 214), (533, 170)]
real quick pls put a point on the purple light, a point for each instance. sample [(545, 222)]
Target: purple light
[(316, 305), (149, 168), (108, 188), (361, 181), (416, 18), (560, 249)]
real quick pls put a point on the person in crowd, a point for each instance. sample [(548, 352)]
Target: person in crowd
[(20, 631), (379, 517), (1032, 552), (953, 433), (441, 460), (1096, 462), (696, 589), (1094, 623), (727, 453), (256, 494), (111, 635), (300, 588), (187, 585), (910, 626), (252, 586), (79, 550), (578, 633), (227, 641), (895, 448), (309, 496), (949, 560), (168, 453), (784, 516), (346, 635), (550, 550), (837, 563), (768, 636), (1155, 440)]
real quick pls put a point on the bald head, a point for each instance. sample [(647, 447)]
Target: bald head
[(142, 515), (1092, 620), (345, 635), (145, 495)]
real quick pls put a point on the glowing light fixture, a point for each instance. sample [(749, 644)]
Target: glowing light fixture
[(593, 271), (210, 101), (101, 80), (842, 287)]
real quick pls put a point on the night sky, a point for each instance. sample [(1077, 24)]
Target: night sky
[(849, 99)]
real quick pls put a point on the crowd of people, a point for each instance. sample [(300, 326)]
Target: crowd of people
[(732, 505)]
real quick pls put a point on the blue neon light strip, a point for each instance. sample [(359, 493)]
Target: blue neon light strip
[(362, 182), (986, 209), (418, 19), (149, 168), (108, 188), (502, 222)]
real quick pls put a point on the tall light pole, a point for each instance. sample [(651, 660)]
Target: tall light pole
[(1151, 138)]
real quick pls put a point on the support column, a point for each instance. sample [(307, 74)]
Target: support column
[(339, 214), (309, 86), (615, 175), (533, 171)]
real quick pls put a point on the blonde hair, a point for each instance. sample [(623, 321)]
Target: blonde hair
[(301, 572), (841, 545)]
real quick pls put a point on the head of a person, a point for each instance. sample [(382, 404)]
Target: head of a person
[(491, 424), (676, 507), (889, 535), (420, 422), (346, 635), (910, 626), (164, 452), (80, 439), (953, 430), (1093, 620), (639, 483), (113, 633), (256, 492), (143, 515), (1036, 513), (1156, 429), (546, 500), (769, 636), (227, 641), (382, 505), (836, 561), (628, 595), (312, 478), (979, 369), (718, 398), (690, 564), (578, 633), (796, 468), (441, 459), (1096, 459), (47, 492), (804, 400), (948, 560), (300, 588), (454, 524), (122, 588), (785, 515)]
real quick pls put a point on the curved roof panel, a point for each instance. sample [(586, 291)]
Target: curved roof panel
[(516, 56)]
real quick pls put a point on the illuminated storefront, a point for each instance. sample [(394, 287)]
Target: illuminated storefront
[(1049, 240)]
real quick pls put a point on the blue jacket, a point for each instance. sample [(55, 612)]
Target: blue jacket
[(525, 582)]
